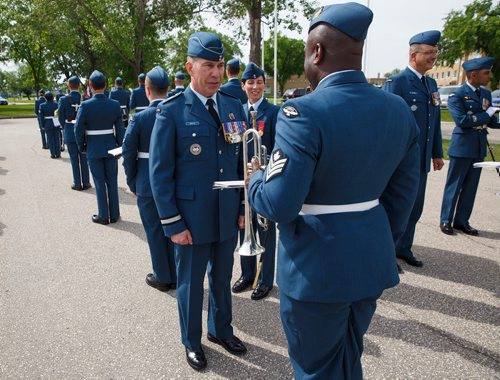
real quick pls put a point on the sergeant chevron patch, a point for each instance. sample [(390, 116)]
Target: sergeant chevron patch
[(276, 164)]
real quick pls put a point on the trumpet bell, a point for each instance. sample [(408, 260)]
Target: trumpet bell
[(250, 248)]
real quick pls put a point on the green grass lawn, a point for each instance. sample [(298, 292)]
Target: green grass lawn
[(445, 116), (17, 110)]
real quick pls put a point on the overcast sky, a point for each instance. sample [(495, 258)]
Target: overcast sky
[(394, 22)]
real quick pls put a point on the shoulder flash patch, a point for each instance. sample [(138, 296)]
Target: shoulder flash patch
[(276, 164), (290, 112), (388, 80)]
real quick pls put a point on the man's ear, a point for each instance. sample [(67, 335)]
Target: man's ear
[(319, 53)]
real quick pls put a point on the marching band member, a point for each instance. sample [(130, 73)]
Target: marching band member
[(99, 128), (67, 110), (138, 99), (123, 97), (50, 124), (471, 110), (341, 182), (254, 84), (233, 85), (135, 153)]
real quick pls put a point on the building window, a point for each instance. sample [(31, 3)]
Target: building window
[(455, 74), (442, 75), (448, 74)]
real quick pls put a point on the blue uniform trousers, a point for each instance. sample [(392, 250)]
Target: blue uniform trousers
[(325, 340), (105, 175), (192, 262), (44, 136), (460, 190), (403, 247), (249, 263), (160, 247), (54, 141), (79, 165)]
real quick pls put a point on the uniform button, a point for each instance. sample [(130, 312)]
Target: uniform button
[(194, 134), (429, 115), (222, 170), (428, 140), (220, 151), (218, 134)]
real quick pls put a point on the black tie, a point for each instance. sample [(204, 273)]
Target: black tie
[(250, 116), (478, 92), (213, 112), (424, 82)]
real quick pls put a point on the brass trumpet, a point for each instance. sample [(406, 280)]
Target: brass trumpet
[(249, 246)]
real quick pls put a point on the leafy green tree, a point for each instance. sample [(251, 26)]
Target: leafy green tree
[(473, 29), (392, 73), (290, 58), (248, 15)]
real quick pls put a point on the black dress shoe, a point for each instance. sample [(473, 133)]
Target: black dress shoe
[(52, 156), (466, 229), (261, 291), (196, 359), (76, 187), (241, 285), (400, 270), (114, 220), (232, 345), (97, 219), (87, 186), (413, 261), (173, 285), (153, 282), (446, 228)]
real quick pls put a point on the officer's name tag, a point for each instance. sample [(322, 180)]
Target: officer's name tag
[(233, 131), (192, 123)]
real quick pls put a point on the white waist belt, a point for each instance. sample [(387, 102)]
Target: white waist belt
[(70, 121), (100, 132), (142, 154), (49, 117), (335, 209), (54, 119), (140, 108), (123, 107)]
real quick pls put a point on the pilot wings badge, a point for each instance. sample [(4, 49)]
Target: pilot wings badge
[(276, 164)]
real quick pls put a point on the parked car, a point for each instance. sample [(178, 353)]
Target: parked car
[(444, 92), (3, 101), (495, 98), (294, 93)]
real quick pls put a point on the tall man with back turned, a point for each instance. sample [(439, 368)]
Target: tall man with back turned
[(122, 96), (341, 182), (135, 155), (68, 108), (233, 85), (189, 151), (98, 128), (420, 93), (138, 98)]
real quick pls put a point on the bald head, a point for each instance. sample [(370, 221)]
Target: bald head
[(328, 50)]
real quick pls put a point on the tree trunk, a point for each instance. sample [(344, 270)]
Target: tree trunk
[(139, 36), (255, 18)]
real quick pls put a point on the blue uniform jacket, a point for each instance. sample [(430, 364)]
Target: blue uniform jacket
[(122, 96), (187, 154), (47, 109), (424, 105), (267, 114), (175, 91), (99, 113), (469, 111), (338, 146), (39, 101), (138, 98), (67, 110), (233, 87), (137, 139)]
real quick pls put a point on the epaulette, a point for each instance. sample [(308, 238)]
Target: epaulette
[(228, 94)]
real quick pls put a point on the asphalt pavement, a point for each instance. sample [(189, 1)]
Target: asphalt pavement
[(74, 304)]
